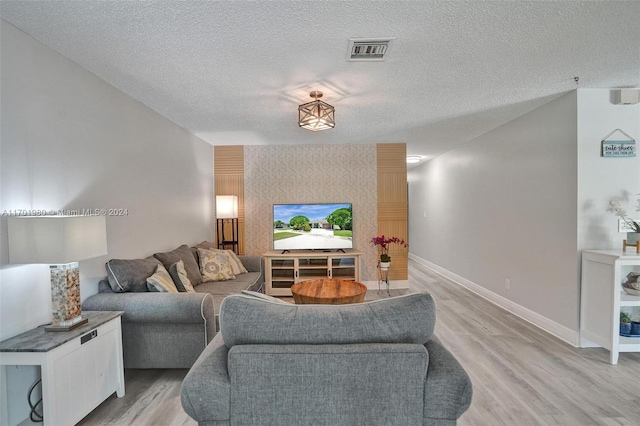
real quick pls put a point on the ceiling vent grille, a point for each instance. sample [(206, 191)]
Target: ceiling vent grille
[(369, 49)]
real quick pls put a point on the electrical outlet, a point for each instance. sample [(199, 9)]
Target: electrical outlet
[(507, 283)]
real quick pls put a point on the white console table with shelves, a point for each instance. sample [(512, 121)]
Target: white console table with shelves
[(602, 298), (79, 368), (282, 270)]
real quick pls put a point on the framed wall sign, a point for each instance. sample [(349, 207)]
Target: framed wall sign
[(624, 226), (618, 147)]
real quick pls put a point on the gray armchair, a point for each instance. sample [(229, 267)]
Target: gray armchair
[(374, 363)]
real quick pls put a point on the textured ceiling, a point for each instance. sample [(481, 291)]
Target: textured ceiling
[(235, 72)]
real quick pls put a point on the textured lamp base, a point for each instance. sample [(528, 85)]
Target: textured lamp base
[(65, 298), (73, 326)]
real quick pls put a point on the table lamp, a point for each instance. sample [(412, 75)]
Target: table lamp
[(60, 241)]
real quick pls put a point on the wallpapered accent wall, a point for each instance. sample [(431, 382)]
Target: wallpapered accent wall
[(280, 174)]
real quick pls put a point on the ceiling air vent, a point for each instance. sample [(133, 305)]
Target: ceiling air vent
[(368, 49)]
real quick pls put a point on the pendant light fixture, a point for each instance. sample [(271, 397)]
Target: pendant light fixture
[(316, 115)]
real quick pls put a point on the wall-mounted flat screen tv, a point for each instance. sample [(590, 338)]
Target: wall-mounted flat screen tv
[(320, 226)]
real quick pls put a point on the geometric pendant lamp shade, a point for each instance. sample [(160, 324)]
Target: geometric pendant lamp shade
[(316, 115)]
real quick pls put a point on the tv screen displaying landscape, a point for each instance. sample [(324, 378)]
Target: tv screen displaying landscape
[(312, 226)]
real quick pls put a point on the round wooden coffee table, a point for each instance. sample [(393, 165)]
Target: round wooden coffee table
[(328, 292)]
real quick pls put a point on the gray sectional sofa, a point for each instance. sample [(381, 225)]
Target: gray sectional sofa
[(373, 363), (167, 330)]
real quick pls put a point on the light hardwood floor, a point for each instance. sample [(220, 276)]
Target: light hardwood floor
[(521, 375)]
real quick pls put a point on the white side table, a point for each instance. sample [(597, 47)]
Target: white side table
[(602, 298), (79, 369)]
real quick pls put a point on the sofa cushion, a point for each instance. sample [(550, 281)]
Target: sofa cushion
[(403, 319), (161, 281), (182, 253), (223, 288), (237, 267), (180, 278), (205, 245), (214, 266), (259, 295), (126, 275)]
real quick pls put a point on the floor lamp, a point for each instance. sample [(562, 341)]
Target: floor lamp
[(60, 241), (227, 212)]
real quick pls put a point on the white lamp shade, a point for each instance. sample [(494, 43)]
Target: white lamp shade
[(56, 239), (226, 206)]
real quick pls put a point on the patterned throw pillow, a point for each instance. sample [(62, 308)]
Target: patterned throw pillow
[(180, 278), (161, 281), (214, 266), (237, 267)]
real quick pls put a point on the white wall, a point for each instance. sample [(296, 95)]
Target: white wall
[(522, 201), (312, 174), (603, 179), (503, 206), (72, 141)]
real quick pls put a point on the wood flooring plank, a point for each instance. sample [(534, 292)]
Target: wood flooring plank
[(152, 397), (521, 375)]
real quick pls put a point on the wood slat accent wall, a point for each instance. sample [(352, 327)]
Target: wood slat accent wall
[(228, 168), (392, 203)]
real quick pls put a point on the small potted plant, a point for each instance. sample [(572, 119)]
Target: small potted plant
[(635, 328), (383, 247), (625, 323), (634, 225)]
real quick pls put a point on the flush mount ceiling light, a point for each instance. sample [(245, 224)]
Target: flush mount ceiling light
[(412, 159), (316, 115)]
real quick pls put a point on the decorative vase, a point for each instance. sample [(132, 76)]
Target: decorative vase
[(635, 328), (625, 328), (633, 237), (385, 265)]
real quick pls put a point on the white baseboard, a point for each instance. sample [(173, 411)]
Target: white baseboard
[(590, 340), (560, 331), (393, 285)]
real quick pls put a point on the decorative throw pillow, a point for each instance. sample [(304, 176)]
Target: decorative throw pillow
[(180, 278), (237, 267), (182, 253), (127, 275), (203, 244), (161, 281), (214, 266)]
